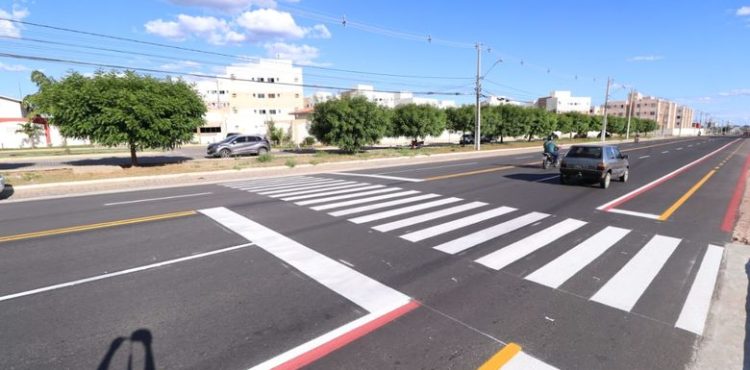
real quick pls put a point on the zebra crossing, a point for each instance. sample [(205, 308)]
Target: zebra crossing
[(433, 219)]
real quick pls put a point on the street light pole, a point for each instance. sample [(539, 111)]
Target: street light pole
[(606, 101), (478, 120), (630, 112)]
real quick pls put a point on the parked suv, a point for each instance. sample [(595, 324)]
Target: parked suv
[(596, 163), (239, 145)]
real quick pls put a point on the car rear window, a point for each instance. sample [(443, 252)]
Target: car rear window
[(594, 152)]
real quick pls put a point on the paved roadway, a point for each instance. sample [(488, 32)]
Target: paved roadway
[(445, 265)]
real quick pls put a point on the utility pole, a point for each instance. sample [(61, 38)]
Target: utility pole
[(606, 101), (478, 120), (630, 112)]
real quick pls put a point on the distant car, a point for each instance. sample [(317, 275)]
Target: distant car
[(469, 139), (594, 163), (239, 145)]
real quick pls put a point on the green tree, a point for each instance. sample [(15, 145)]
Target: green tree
[(580, 124), (541, 122), (112, 108), (31, 130), (616, 124), (565, 123), (460, 119), (417, 121), (595, 123), (349, 123), (492, 121), (276, 134)]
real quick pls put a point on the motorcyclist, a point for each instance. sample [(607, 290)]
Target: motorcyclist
[(551, 148)]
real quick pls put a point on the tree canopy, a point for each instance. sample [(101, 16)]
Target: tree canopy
[(349, 123), (417, 121), (113, 108)]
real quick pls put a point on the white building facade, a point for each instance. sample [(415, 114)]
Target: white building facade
[(12, 115), (563, 101), (394, 99)]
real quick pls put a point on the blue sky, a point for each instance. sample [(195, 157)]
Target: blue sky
[(695, 52)]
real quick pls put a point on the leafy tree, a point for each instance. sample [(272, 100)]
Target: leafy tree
[(491, 121), (277, 134), (31, 130), (460, 119), (648, 125), (349, 123), (595, 123), (580, 124), (112, 108), (417, 121), (565, 123), (616, 124), (541, 122)]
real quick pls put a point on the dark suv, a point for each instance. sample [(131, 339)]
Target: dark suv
[(239, 145)]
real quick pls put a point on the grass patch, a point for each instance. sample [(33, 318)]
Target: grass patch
[(290, 162), (265, 158)]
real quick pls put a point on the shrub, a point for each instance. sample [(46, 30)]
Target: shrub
[(263, 158), (290, 163)]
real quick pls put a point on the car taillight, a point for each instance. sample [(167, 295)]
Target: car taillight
[(600, 166)]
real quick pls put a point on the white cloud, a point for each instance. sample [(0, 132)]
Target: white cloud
[(743, 11), (181, 65), (198, 24), (270, 23), (318, 31), (300, 54), (736, 92), (13, 67), (227, 5), (10, 29), (645, 58), (170, 30), (214, 30)]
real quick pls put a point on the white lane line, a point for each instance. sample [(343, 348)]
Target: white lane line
[(428, 168), (377, 176), (522, 248), (286, 185), (690, 146), (401, 211), (562, 268), (481, 236), (665, 152), (680, 148), (523, 361), (695, 310), (624, 289), (634, 213), (363, 200), (644, 157), (354, 286), (160, 198), (326, 193), (428, 216), (548, 178), (316, 190), (345, 196), (307, 187), (122, 272), (456, 224), (371, 207)]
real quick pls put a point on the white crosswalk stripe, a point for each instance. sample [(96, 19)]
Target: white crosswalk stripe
[(522, 248), (286, 185), (346, 196), (330, 184), (456, 224), (371, 207), (401, 211), (564, 267), (242, 184), (428, 216), (695, 310), (465, 242), (625, 288), (363, 200), (318, 189), (360, 189)]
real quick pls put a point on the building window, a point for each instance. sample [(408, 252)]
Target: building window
[(272, 111), (296, 95), (271, 80), (234, 95), (234, 110), (210, 130), (271, 96), (262, 111), (261, 96), (261, 79)]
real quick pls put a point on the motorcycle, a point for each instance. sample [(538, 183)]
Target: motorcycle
[(548, 160)]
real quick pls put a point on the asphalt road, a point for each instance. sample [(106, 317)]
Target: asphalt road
[(440, 265)]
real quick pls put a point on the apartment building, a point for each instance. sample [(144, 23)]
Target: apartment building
[(667, 114), (250, 96), (392, 100), (493, 101), (563, 101)]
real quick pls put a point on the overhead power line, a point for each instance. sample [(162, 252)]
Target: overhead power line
[(201, 75), (206, 52)]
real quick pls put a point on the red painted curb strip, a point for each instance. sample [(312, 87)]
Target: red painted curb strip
[(346, 338), (734, 203)]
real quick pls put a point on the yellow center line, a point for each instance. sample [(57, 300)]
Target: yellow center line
[(443, 177), (101, 225), (501, 358), (664, 216)]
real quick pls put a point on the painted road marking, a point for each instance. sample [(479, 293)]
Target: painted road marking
[(160, 198), (727, 223), (363, 200), (695, 310), (634, 213), (548, 178), (352, 194), (644, 157), (383, 303), (501, 357), (680, 148), (401, 211), (315, 189), (481, 236), (371, 207), (664, 216), (323, 193), (513, 358), (624, 289), (428, 216), (456, 224), (284, 184), (530, 244), (101, 225), (429, 168), (557, 272), (120, 273), (330, 184), (689, 146), (275, 180), (632, 194), (377, 176), (469, 173), (665, 152)]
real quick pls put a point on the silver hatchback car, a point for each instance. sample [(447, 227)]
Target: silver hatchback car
[(594, 163)]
